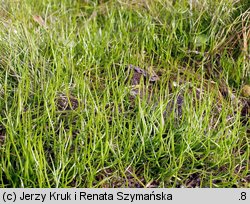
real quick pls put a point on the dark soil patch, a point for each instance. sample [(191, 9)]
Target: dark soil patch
[(2, 135), (193, 181), (65, 102)]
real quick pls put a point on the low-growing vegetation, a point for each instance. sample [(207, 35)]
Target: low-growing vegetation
[(124, 93)]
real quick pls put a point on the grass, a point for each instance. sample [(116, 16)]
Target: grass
[(74, 115)]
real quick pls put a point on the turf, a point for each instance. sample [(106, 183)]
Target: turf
[(124, 93)]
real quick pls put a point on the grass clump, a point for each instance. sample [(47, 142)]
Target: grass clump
[(124, 93)]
